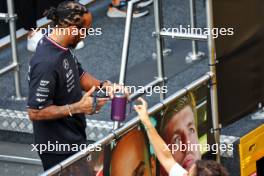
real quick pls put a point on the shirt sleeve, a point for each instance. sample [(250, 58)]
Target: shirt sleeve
[(42, 82), (80, 69), (177, 170)]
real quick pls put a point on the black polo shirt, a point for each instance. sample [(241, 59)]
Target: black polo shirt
[(54, 79)]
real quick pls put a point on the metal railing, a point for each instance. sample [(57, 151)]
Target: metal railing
[(212, 65), (210, 76), (160, 79), (212, 60), (10, 17), (195, 54), (129, 125)]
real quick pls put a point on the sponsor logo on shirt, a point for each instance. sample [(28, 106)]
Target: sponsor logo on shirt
[(70, 80), (40, 100), (43, 83), (66, 64), (70, 89), (41, 89), (28, 77), (41, 95), (69, 73), (70, 83)]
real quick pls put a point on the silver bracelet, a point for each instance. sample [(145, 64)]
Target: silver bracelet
[(69, 109)]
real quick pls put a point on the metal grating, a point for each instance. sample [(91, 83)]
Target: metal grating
[(18, 121)]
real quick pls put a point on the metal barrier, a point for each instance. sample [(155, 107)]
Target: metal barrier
[(211, 55), (119, 131), (10, 16), (129, 125)]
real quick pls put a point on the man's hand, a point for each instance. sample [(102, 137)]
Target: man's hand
[(142, 111), (85, 105)]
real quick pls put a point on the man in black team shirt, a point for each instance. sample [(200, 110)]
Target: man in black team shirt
[(56, 80)]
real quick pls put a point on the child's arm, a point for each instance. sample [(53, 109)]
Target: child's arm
[(162, 151)]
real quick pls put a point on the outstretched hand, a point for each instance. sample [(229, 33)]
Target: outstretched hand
[(142, 110)]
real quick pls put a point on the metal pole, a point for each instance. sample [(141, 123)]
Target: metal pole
[(183, 36), (195, 54), (126, 42), (193, 24), (123, 67), (12, 28), (159, 45), (213, 88), (8, 68)]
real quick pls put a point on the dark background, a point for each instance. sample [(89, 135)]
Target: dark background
[(240, 72)]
